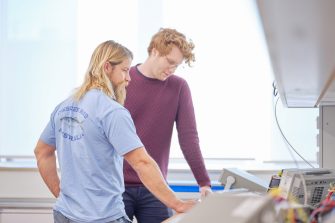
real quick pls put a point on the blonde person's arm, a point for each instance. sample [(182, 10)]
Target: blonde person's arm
[(46, 162), (151, 176)]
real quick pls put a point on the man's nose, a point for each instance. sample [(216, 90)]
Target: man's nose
[(128, 77)]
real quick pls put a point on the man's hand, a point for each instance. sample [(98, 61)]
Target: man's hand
[(152, 178), (184, 206), (205, 191)]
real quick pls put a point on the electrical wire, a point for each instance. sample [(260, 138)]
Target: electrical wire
[(275, 92), (286, 144)]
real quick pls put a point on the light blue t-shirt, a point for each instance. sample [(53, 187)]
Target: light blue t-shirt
[(90, 137)]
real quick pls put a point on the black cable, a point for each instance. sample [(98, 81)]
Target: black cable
[(286, 140)]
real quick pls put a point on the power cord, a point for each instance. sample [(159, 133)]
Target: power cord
[(275, 93)]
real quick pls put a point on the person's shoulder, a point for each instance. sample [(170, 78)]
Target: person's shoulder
[(177, 78), (97, 95), (133, 70), (116, 110), (177, 81), (102, 101), (105, 99)]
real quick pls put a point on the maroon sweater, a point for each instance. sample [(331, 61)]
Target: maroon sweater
[(154, 106)]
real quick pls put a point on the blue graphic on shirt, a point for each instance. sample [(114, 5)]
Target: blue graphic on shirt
[(71, 122)]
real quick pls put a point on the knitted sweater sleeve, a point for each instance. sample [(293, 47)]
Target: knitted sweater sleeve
[(188, 136)]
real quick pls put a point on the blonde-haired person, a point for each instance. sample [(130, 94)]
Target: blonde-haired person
[(156, 99), (91, 132)]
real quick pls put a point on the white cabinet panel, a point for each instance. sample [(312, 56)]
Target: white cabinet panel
[(30, 210), (26, 215), (327, 137)]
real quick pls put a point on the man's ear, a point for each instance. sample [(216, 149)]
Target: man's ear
[(108, 67), (154, 52)]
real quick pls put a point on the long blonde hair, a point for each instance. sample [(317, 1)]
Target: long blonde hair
[(95, 76)]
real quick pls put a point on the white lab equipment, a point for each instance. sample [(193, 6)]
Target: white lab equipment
[(233, 178), (306, 186)]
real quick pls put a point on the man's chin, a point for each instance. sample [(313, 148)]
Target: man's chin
[(165, 77)]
